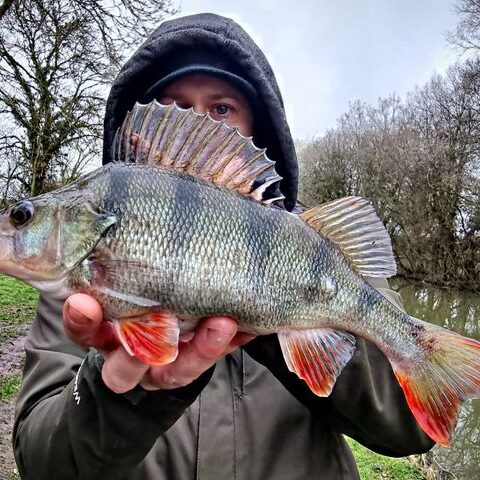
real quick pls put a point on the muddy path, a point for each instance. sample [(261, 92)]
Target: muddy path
[(7, 462), (11, 363), (12, 355)]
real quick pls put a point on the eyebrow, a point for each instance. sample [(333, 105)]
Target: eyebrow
[(210, 96), (219, 96)]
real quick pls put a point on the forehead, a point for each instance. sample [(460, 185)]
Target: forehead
[(206, 84)]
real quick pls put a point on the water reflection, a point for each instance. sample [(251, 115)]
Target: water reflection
[(460, 312)]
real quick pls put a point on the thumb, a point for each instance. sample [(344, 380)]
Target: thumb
[(82, 317)]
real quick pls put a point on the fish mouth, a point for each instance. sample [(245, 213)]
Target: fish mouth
[(7, 265), (11, 266)]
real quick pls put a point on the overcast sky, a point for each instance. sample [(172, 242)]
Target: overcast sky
[(326, 53)]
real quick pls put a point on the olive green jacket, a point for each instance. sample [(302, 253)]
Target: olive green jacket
[(238, 423)]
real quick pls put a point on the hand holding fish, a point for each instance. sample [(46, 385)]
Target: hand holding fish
[(214, 338)]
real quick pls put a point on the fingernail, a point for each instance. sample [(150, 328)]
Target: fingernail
[(76, 316), (218, 338)]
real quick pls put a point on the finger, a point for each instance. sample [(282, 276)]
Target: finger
[(82, 316), (121, 372), (84, 324), (238, 340), (213, 337), (186, 337), (211, 341)]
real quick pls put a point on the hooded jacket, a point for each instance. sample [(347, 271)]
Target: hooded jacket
[(247, 419), (226, 38)]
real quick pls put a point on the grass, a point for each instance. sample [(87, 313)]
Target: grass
[(18, 303), (373, 466), (9, 387), (14, 292)]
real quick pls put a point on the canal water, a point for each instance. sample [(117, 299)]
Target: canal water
[(460, 312)]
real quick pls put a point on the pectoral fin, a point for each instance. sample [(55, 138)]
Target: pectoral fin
[(317, 356), (152, 337)]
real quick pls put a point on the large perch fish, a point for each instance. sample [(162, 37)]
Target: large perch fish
[(185, 232)]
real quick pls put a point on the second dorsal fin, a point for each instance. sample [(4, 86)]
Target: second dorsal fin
[(186, 141), (352, 224)]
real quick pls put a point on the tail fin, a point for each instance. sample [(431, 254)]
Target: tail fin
[(436, 387)]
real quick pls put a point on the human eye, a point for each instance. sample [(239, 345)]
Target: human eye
[(221, 111)]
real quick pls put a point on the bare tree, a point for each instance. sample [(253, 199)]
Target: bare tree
[(467, 34), (6, 4), (419, 162), (56, 60)]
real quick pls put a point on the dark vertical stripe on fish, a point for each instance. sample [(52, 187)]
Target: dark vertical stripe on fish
[(186, 210), (114, 195), (183, 221), (260, 252), (313, 288), (367, 301), (117, 195)]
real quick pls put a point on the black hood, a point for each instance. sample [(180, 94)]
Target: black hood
[(217, 33)]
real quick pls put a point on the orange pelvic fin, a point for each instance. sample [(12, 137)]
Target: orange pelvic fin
[(317, 356), (152, 337), (436, 387)]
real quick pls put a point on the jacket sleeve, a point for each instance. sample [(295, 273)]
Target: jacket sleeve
[(68, 425), (367, 403)]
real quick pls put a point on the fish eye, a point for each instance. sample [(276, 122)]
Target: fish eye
[(21, 213)]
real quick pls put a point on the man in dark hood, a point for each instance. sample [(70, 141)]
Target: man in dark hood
[(247, 418), (216, 45)]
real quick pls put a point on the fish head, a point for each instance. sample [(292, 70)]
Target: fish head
[(43, 238)]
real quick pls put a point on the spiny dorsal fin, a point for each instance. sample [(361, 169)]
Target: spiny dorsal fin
[(352, 224), (185, 141)]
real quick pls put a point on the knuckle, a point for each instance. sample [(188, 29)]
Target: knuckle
[(116, 383), (171, 382)]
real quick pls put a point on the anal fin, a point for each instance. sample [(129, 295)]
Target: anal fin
[(317, 356), (151, 337)]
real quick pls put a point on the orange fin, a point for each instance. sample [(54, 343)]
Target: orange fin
[(436, 387), (152, 337), (317, 356)]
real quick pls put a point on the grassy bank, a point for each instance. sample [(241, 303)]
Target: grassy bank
[(9, 386), (377, 467), (17, 308)]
